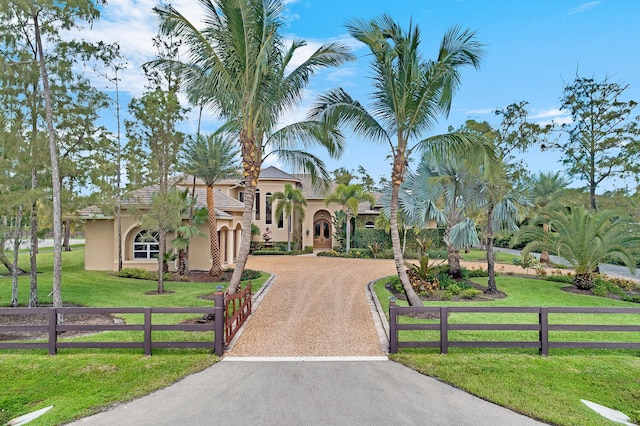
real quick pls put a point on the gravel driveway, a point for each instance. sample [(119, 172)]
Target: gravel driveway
[(317, 306)]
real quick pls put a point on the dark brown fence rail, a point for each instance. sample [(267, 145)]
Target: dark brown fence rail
[(53, 329), (237, 309), (543, 327)]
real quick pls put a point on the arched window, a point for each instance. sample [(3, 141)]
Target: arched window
[(146, 245), (370, 225), (267, 208), (256, 202)]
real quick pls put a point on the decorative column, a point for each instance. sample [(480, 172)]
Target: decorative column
[(231, 243)]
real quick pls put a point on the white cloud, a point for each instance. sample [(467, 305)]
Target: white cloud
[(550, 115), (584, 6), (482, 111)]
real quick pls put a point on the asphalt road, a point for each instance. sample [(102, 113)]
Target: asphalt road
[(285, 393)]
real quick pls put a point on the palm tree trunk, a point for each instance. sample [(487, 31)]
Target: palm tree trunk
[(289, 233), (412, 297), (453, 260), (491, 282), (245, 239), (251, 163), (348, 236), (214, 247), (544, 255)]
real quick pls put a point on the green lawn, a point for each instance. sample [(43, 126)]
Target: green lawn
[(546, 388), (84, 381)]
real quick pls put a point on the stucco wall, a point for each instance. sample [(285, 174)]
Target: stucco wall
[(99, 244)]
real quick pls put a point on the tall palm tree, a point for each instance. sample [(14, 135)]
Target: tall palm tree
[(290, 201), (241, 67), (212, 158), (349, 197), (410, 94), (583, 238)]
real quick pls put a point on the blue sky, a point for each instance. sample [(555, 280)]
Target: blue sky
[(532, 50)]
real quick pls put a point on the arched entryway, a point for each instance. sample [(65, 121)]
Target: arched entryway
[(322, 230)]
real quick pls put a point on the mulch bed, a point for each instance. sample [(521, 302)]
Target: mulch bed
[(35, 319), (435, 298)]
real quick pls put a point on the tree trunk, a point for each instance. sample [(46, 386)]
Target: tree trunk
[(182, 262), (396, 180), (214, 247), (55, 173), (6, 262), (491, 282), (33, 250), (544, 255), (592, 197), (67, 234), (16, 248), (289, 233), (251, 163), (348, 236), (163, 247), (453, 259)]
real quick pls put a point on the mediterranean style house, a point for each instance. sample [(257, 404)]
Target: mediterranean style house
[(141, 251)]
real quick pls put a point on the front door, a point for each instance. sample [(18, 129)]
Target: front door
[(322, 234)]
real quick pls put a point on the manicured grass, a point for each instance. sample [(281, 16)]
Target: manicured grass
[(546, 388), (82, 382), (475, 255)]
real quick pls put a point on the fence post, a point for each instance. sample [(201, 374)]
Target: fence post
[(147, 331), (393, 322), (53, 332), (444, 330), (219, 320), (544, 331)]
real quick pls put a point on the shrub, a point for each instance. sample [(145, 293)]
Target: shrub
[(247, 274), (394, 284), (470, 293), (474, 273), (329, 253), (600, 288), (446, 295), (138, 274), (268, 252), (366, 237), (308, 249), (453, 289)]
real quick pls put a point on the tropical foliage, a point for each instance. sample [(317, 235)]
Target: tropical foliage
[(349, 197), (583, 238), (240, 65), (289, 202), (212, 158), (410, 93)]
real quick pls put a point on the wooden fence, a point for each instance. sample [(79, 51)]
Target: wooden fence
[(229, 313), (542, 327)]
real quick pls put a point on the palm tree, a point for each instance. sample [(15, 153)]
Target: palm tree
[(186, 231), (290, 201), (547, 189), (582, 238), (410, 94), (349, 197), (240, 66), (212, 158), (449, 191)]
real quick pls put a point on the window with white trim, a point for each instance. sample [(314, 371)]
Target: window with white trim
[(146, 245)]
